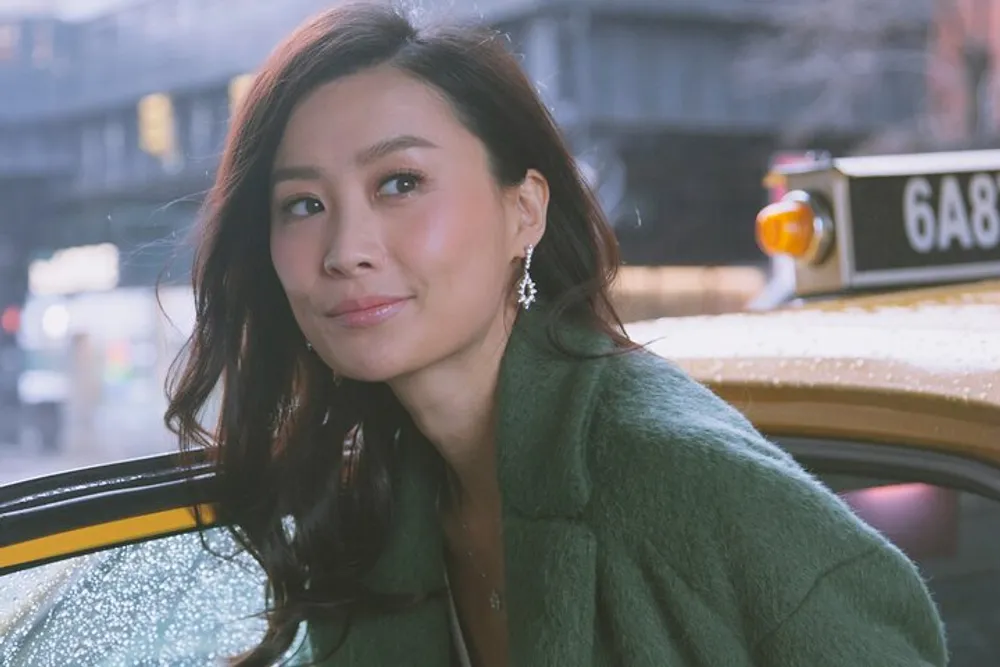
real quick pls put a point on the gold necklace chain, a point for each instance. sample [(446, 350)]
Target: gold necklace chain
[(496, 599)]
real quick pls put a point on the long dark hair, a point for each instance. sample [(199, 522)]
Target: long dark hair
[(283, 417)]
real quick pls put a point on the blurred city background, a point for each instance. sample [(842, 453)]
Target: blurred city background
[(113, 112)]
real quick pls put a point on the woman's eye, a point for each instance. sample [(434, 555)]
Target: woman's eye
[(303, 207), (399, 184)]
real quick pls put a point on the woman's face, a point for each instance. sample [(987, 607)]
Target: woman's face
[(391, 237)]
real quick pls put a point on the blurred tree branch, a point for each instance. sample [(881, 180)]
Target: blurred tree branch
[(830, 59)]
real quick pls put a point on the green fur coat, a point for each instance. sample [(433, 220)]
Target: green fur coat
[(647, 524)]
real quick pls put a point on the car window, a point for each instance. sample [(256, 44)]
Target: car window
[(954, 537), (168, 601)]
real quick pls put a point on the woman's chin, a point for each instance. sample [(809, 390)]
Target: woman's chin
[(370, 377), (376, 371)]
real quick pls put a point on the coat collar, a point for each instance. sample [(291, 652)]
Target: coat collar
[(545, 402)]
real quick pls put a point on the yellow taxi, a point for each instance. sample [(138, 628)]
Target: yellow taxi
[(873, 357), (877, 360)]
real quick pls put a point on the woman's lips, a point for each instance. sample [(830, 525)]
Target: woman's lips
[(367, 312)]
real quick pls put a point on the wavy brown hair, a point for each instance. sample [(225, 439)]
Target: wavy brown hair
[(278, 444)]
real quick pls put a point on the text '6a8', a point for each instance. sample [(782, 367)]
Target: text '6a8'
[(966, 217)]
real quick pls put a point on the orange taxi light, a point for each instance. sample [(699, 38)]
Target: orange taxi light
[(786, 228)]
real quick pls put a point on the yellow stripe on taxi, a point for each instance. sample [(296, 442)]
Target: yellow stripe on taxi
[(103, 535)]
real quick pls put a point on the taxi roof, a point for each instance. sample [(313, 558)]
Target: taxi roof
[(917, 367)]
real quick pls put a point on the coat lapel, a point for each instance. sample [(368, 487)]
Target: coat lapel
[(550, 591), (546, 400)]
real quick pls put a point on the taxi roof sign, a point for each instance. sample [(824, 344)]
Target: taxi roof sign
[(918, 163), (902, 220)]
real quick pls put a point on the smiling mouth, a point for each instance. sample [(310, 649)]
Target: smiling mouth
[(363, 314)]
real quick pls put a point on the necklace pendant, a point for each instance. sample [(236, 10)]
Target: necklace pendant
[(496, 603)]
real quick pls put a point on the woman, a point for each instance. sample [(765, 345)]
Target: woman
[(403, 285)]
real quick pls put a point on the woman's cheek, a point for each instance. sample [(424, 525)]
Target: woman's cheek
[(432, 239), (293, 265)]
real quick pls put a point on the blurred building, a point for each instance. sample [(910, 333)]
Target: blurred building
[(110, 126), (964, 99)]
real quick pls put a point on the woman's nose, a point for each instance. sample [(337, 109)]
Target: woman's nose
[(354, 244)]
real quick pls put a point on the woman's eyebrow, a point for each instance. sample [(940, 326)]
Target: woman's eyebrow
[(363, 157), (295, 173), (391, 145)]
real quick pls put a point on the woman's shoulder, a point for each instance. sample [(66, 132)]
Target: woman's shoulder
[(674, 465), (714, 513), (655, 405), (641, 443)]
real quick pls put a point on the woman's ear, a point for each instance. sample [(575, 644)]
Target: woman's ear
[(531, 206)]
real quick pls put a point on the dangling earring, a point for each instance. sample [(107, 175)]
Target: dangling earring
[(526, 289)]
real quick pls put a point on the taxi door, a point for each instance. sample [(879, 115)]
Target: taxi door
[(106, 566)]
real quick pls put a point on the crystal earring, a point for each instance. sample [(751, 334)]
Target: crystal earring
[(526, 289), (309, 346)]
